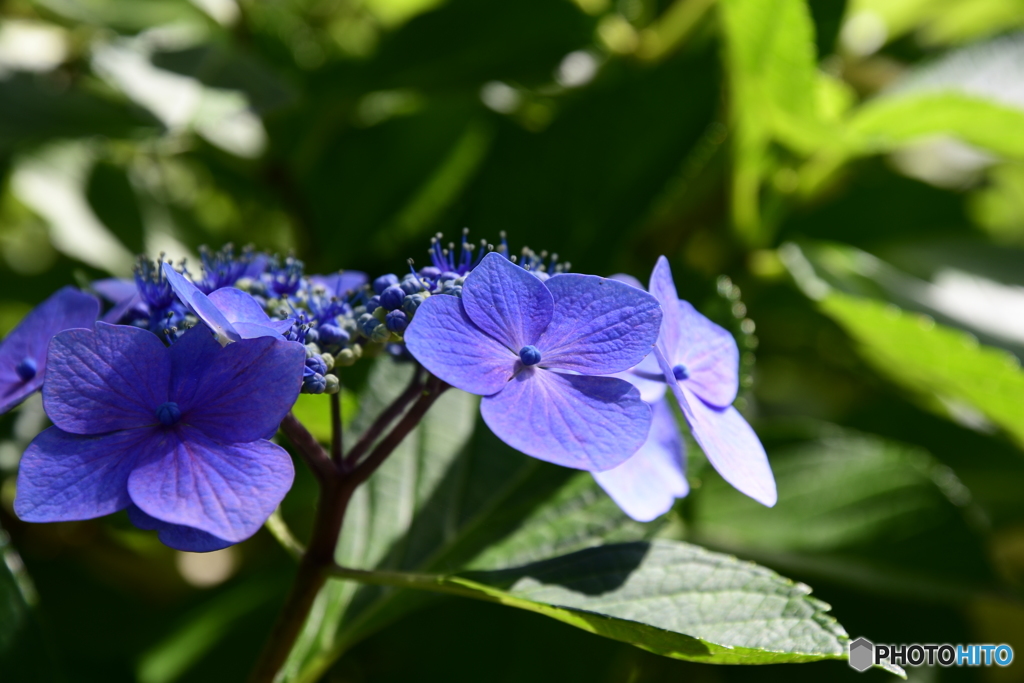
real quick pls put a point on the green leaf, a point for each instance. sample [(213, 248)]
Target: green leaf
[(889, 122), (942, 364), (440, 503), (671, 598), (770, 54), (858, 510)]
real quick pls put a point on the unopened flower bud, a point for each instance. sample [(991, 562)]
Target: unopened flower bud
[(332, 384), (396, 321), (391, 298), (328, 360), (383, 282)]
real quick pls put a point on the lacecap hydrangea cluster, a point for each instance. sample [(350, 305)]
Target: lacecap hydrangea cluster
[(166, 391)]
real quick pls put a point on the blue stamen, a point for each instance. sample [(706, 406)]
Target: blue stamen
[(26, 369), (168, 413), (681, 372), (529, 355)]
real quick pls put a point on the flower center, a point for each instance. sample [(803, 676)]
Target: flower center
[(168, 413), (26, 369), (529, 355), (680, 372)]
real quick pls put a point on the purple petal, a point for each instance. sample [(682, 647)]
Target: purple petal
[(175, 535), (245, 314), (340, 283), (113, 377), (65, 477), (664, 290), (256, 267), (589, 423), (227, 490), (67, 309), (118, 311), (239, 392), (444, 340), (254, 331), (629, 280), (646, 485), (238, 307), (598, 326), (507, 302), (201, 305), (707, 352), (646, 376), (729, 442), (115, 289), (711, 357)]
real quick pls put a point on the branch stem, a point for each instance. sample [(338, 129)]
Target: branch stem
[(337, 484)]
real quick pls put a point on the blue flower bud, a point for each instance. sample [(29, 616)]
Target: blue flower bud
[(529, 355), (312, 335), (169, 413), (317, 365), (411, 284), (449, 287), (314, 383), (396, 321), (26, 369), (412, 302), (449, 275), (373, 304), (383, 282), (391, 298), (681, 372), (430, 272), (367, 324), (332, 335)]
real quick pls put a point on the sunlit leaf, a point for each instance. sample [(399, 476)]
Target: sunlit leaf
[(671, 598)]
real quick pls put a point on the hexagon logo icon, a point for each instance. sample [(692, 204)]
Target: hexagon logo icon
[(862, 654)]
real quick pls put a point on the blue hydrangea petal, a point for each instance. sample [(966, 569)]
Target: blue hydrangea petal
[(65, 477), (246, 315), (646, 376), (507, 302), (579, 421), (115, 289), (175, 535), (201, 305), (710, 355), (598, 326), (447, 343), (629, 280), (728, 441), (224, 489), (68, 308), (109, 378), (663, 288), (646, 486), (239, 392), (340, 283)]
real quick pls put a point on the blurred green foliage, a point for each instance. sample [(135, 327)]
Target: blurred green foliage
[(840, 184)]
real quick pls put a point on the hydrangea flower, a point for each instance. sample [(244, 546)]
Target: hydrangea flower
[(230, 313), (23, 351), (177, 432), (647, 484), (532, 350), (699, 361)]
